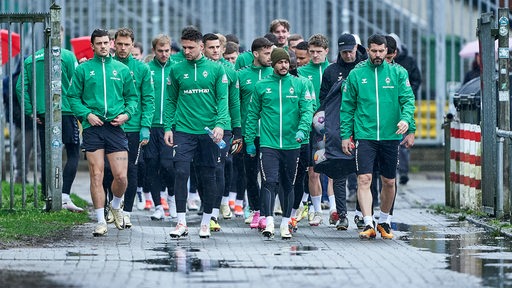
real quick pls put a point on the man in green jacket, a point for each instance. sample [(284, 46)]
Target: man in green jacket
[(137, 128), (197, 100), (103, 96), (283, 104), (377, 108), (70, 131)]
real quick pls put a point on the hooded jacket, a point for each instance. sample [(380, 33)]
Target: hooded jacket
[(160, 73), (284, 104), (102, 86)]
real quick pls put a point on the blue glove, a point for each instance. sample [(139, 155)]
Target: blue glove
[(144, 134), (299, 136), (251, 149)]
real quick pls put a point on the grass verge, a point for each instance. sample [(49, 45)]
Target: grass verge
[(31, 224)]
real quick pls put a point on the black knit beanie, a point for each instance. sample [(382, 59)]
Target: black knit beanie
[(279, 54)]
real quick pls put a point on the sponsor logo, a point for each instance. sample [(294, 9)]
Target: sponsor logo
[(268, 91), (185, 76), (364, 81), (248, 81), (92, 73), (196, 91)]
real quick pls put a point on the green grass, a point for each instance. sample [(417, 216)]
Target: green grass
[(32, 223)]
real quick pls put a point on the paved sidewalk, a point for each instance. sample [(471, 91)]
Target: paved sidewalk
[(145, 255)]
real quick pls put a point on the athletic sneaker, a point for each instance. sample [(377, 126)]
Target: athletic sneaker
[(149, 205), (108, 214), (277, 209), (127, 221), (231, 204), (385, 230), (214, 224), (239, 211), (204, 232), (359, 222), (100, 229), (70, 206), (285, 233), (118, 216), (311, 215), (317, 219), (192, 205), (333, 217), (140, 201), (179, 231), (342, 223), (225, 211), (292, 225), (304, 212), (255, 220), (368, 233), (248, 220), (269, 230), (262, 224), (159, 214)]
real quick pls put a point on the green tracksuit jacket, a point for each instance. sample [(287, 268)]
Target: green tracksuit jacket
[(285, 105), (247, 78), (160, 74), (197, 97), (102, 86), (233, 94), (314, 73), (68, 65), (375, 99), (146, 100)]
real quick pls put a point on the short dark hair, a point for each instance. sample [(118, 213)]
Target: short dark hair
[(260, 42), (231, 47), (232, 38), (191, 33), (139, 45), (302, 46), (125, 32), (272, 38), (391, 44), (377, 39), (210, 37), (98, 33)]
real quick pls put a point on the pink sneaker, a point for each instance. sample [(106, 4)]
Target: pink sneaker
[(255, 220), (262, 223)]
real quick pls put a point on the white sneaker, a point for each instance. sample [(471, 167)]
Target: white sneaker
[(108, 214), (127, 221), (285, 233), (172, 207), (159, 213), (269, 230), (225, 211), (317, 219), (180, 231), (248, 220), (70, 206), (139, 199), (193, 204), (277, 208), (100, 230), (204, 232), (118, 216)]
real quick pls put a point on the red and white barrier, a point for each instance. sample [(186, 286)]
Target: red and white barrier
[(465, 164)]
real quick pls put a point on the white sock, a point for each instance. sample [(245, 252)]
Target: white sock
[(116, 202), (215, 212), (384, 217), (232, 196), (65, 198), (368, 220), (317, 202), (294, 212), (284, 222), (305, 197), (225, 200), (270, 219), (206, 219), (239, 203), (163, 194), (332, 203), (171, 199), (100, 215), (127, 213), (358, 213), (148, 196), (193, 196), (181, 218), (139, 189)]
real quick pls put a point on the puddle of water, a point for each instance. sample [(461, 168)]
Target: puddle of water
[(478, 254), (78, 254)]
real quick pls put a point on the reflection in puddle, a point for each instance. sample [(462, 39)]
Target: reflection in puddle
[(478, 253)]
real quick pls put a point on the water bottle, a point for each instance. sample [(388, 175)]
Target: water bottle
[(221, 144)]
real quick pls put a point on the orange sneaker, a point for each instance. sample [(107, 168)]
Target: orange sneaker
[(385, 231), (164, 203), (149, 205), (292, 225), (232, 204), (239, 211), (368, 233)]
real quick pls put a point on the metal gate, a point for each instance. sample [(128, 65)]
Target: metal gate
[(51, 39)]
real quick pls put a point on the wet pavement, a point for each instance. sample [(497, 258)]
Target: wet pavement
[(428, 250)]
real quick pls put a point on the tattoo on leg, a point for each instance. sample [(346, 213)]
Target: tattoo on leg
[(120, 158)]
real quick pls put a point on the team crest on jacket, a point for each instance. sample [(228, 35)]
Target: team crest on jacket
[(407, 83), (114, 73), (291, 90), (205, 74), (388, 80)]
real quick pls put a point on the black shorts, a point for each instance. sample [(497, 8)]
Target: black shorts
[(70, 132), (381, 154), (199, 148), (156, 147), (110, 138)]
